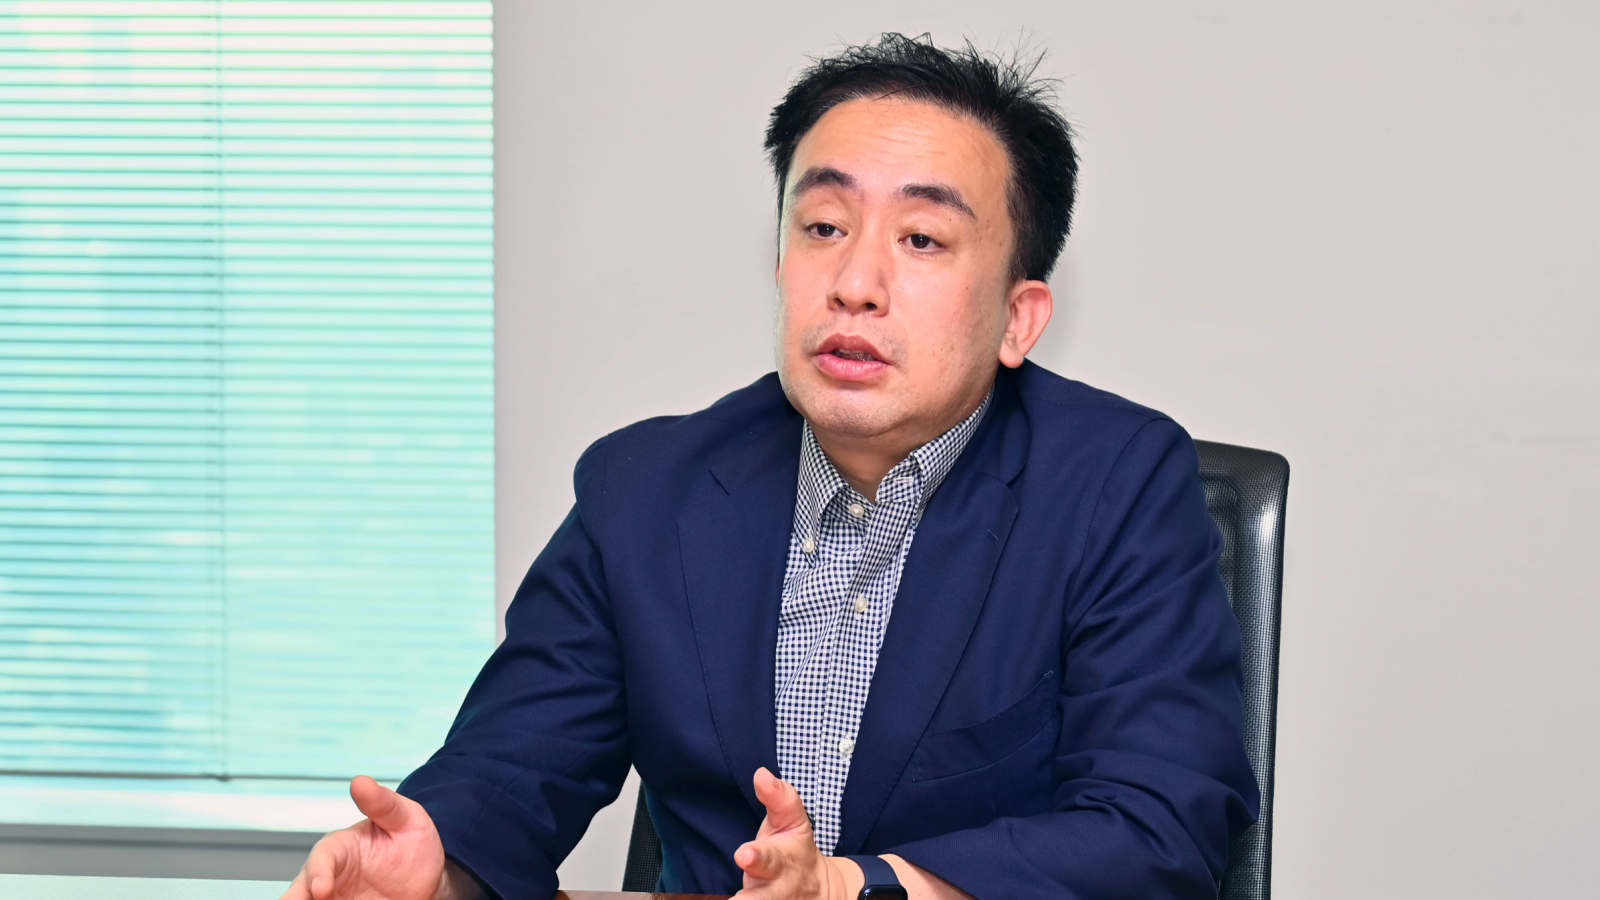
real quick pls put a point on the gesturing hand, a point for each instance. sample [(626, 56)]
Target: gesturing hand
[(783, 862), (393, 854)]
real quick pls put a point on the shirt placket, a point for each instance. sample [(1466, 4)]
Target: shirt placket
[(839, 551), (858, 632)]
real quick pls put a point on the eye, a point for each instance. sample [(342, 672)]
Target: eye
[(823, 229), (921, 241)]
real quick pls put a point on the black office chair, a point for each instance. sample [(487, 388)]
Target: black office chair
[(1246, 491)]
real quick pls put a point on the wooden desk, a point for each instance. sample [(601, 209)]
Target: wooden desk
[(79, 887), (631, 895)]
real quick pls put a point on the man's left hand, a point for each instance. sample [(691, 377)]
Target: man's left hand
[(783, 862)]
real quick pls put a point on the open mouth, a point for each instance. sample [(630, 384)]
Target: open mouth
[(850, 357)]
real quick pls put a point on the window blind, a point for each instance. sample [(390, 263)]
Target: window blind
[(246, 374)]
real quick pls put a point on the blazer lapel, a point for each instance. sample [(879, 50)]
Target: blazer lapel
[(942, 589), (734, 550)]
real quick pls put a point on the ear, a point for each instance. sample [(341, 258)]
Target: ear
[(1028, 308)]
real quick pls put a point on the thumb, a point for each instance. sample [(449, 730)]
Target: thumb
[(384, 807), (785, 810)]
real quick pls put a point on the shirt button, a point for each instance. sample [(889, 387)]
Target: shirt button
[(861, 603), (857, 510), (847, 746), (809, 545)]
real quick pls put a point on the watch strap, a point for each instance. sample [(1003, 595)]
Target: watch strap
[(881, 882)]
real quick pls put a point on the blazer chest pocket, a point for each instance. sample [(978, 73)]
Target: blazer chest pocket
[(958, 750)]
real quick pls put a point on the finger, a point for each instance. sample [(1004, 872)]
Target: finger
[(322, 866), (785, 810), (760, 860), (297, 888), (384, 807)]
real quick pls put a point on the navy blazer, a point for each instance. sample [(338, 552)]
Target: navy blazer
[(1057, 707)]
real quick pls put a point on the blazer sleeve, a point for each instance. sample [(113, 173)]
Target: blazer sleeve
[(1152, 778), (540, 744)]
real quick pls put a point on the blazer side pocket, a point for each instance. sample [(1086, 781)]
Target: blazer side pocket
[(958, 750)]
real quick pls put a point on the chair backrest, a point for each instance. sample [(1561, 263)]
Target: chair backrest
[(643, 868), (1246, 492)]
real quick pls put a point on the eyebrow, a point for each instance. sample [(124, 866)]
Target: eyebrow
[(820, 176), (942, 194)]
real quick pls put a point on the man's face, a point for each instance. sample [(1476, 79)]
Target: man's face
[(895, 295)]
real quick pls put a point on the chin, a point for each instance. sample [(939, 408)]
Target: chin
[(853, 413)]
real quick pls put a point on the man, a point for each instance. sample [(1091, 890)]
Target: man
[(968, 610)]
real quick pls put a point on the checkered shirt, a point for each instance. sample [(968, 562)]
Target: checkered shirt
[(845, 558)]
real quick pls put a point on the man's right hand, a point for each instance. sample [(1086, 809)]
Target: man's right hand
[(392, 854)]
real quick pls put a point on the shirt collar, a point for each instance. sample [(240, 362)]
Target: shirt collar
[(913, 479)]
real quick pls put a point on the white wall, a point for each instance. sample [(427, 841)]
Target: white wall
[(1361, 234)]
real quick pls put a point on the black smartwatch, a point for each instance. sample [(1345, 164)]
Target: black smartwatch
[(882, 883)]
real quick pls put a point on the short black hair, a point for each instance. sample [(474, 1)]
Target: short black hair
[(1003, 95)]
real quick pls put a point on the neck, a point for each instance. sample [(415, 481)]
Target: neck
[(863, 465)]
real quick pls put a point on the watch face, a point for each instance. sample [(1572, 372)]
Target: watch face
[(883, 892)]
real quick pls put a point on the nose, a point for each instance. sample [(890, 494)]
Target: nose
[(861, 285)]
